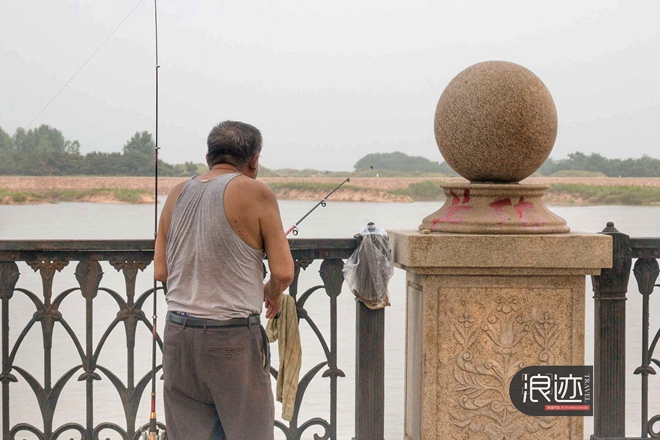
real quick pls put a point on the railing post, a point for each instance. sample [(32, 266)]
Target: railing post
[(369, 373), (8, 278), (646, 272), (610, 289), (331, 274)]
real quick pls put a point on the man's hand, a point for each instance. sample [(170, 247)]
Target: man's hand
[(272, 300), (272, 306)]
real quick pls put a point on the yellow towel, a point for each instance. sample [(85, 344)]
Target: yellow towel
[(285, 330)]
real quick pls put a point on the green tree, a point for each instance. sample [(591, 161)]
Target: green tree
[(43, 139), (141, 143), (7, 154), (42, 151), (548, 168), (6, 142), (139, 154), (108, 164), (191, 168), (72, 148)]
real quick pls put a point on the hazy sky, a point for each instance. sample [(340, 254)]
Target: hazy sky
[(326, 82)]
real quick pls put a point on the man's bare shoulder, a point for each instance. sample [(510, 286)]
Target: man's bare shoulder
[(254, 187), (179, 187), (175, 192)]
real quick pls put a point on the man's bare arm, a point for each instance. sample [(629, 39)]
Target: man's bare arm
[(276, 246), (160, 260)]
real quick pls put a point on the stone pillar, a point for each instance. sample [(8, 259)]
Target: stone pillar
[(495, 281), (481, 307)]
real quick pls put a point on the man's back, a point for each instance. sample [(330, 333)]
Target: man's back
[(252, 211), (213, 272)]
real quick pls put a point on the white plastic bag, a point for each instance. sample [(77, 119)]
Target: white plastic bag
[(368, 271)]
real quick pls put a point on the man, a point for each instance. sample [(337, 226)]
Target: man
[(210, 245)]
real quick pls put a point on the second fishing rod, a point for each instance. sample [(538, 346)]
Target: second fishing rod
[(322, 202)]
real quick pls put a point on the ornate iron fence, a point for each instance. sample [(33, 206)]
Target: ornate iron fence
[(610, 289), (129, 257)]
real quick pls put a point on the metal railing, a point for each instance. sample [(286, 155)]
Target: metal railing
[(610, 289), (129, 257)]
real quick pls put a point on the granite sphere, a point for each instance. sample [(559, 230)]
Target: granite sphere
[(495, 122)]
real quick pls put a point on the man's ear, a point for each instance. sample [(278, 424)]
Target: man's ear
[(207, 162), (253, 164)]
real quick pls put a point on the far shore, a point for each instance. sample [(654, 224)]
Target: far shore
[(564, 190)]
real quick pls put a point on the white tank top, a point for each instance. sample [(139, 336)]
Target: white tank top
[(212, 272)]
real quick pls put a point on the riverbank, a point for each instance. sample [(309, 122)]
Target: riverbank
[(563, 190), (93, 195)]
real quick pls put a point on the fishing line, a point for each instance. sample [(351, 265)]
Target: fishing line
[(83, 65)]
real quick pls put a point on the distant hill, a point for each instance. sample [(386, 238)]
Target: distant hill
[(644, 166), (402, 163), (395, 164)]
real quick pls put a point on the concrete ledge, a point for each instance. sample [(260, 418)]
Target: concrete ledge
[(574, 252)]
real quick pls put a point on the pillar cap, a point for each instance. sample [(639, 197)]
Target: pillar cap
[(587, 252)]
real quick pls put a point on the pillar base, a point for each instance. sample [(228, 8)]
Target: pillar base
[(480, 308), (484, 208)]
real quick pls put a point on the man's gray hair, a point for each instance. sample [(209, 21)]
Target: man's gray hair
[(233, 142)]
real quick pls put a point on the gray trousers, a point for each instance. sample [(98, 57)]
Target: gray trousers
[(217, 385)]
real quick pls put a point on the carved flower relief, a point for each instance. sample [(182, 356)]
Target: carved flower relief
[(507, 305), (482, 386), (546, 333)]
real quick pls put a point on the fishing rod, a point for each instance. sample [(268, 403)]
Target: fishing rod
[(153, 433), (294, 228)]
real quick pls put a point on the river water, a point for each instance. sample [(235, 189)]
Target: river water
[(337, 220)]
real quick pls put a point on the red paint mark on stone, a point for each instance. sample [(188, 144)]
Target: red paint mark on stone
[(455, 199), (451, 215), (498, 206), (466, 196), (523, 206), (457, 206)]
